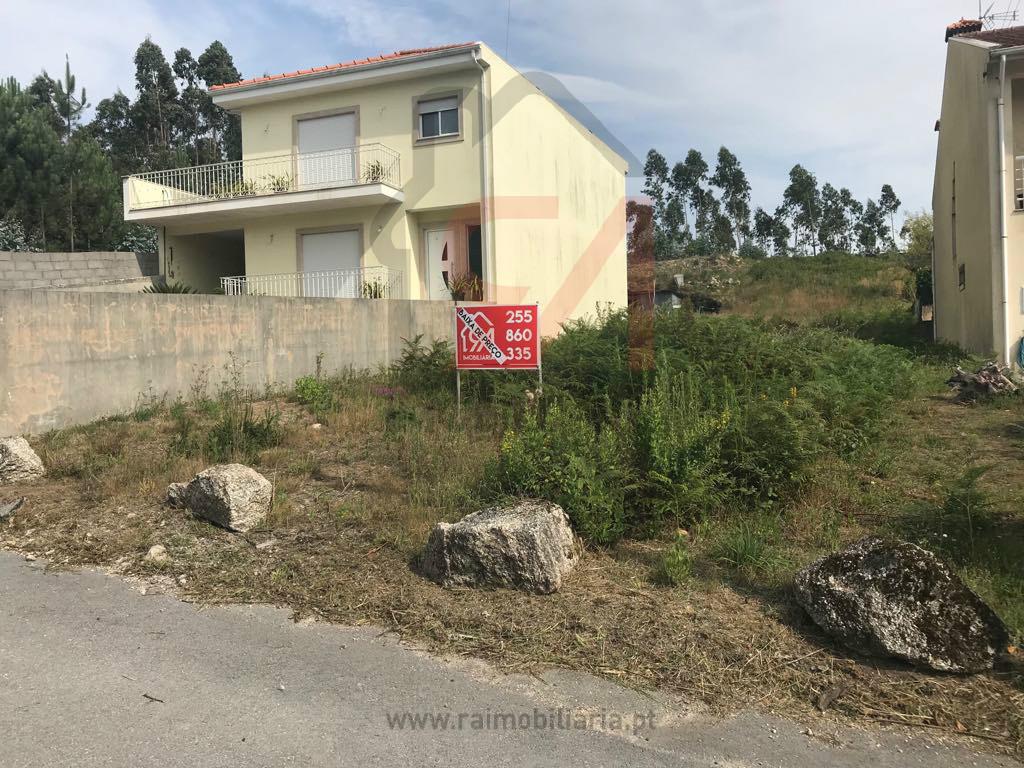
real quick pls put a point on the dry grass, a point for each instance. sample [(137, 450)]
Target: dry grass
[(354, 501)]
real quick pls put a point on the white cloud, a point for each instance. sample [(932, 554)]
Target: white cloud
[(99, 38), (850, 89), (377, 25)]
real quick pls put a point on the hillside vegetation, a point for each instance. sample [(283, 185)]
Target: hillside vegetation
[(811, 412)]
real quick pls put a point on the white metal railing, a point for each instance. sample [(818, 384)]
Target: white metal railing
[(297, 172), (365, 283), (1018, 183)]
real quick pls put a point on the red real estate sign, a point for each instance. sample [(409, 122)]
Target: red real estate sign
[(497, 337)]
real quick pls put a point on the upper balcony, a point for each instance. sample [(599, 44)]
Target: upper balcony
[(368, 174)]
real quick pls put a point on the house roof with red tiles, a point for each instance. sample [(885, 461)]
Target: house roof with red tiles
[(345, 65), (962, 27), (1007, 37)]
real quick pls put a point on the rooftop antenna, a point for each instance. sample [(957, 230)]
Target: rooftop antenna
[(508, 27), (995, 19)]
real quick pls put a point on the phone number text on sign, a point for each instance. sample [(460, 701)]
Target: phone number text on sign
[(497, 337)]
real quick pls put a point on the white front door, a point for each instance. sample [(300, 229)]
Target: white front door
[(440, 246), (326, 151), (331, 264)]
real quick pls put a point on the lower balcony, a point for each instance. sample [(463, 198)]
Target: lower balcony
[(368, 174), (365, 283)]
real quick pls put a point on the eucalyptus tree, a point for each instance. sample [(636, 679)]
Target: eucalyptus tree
[(216, 67), (803, 203), (156, 110), (764, 226), (730, 178), (834, 225), (889, 204)]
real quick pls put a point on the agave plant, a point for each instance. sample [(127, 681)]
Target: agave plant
[(162, 286)]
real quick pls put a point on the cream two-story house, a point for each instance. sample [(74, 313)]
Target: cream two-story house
[(416, 175), (978, 195)]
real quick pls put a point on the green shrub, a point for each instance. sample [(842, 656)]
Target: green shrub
[(751, 250), (733, 417), (235, 433), (398, 418), (767, 446), (676, 565), (314, 393), (672, 440), (562, 458), (426, 369)]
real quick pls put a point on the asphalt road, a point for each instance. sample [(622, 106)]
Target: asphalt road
[(94, 673)]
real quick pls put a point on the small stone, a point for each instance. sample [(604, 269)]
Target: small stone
[(176, 494), (157, 555), (316, 426), (182, 580), (18, 462)]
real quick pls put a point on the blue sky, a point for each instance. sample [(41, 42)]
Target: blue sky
[(849, 89)]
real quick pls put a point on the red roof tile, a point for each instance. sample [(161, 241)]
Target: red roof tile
[(343, 65)]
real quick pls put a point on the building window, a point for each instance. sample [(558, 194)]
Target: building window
[(962, 277), (438, 118)]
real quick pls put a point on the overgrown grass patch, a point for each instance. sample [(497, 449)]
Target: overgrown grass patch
[(771, 441), (748, 548), (733, 417), (807, 289)]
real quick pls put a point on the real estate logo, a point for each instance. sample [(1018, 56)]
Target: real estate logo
[(477, 335)]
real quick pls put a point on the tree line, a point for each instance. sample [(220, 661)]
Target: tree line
[(60, 177), (697, 210)]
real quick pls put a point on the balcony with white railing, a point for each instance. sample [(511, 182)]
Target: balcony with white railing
[(365, 283), (357, 175)]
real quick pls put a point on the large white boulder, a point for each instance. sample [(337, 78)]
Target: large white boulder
[(525, 545), (18, 462), (233, 496)]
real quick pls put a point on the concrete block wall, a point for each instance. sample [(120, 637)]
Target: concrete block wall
[(20, 269), (70, 357)]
